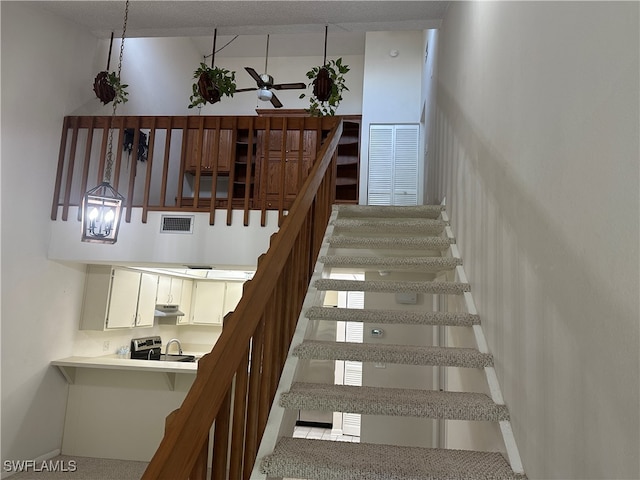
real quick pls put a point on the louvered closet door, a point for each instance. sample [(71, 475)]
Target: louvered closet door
[(393, 164)]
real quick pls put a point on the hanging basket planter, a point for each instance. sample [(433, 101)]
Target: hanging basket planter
[(108, 88), (212, 84), (323, 85), (328, 84), (103, 90), (208, 90)]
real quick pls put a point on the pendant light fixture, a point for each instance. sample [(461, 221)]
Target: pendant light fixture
[(102, 205)]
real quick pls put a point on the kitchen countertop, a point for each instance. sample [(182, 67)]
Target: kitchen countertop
[(68, 366)]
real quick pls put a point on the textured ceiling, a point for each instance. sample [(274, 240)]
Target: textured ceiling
[(294, 26)]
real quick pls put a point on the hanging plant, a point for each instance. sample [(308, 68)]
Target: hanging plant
[(212, 84), (108, 88), (328, 84), (143, 146), (106, 85)]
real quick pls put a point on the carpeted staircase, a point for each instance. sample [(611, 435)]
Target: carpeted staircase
[(387, 239)]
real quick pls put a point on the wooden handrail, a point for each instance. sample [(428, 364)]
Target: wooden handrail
[(197, 148), (257, 334)]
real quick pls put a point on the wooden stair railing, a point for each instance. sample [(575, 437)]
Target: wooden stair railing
[(236, 382), (196, 150)]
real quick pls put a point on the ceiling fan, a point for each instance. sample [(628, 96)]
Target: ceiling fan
[(265, 83)]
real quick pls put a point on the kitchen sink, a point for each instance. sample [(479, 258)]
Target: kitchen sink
[(177, 358)]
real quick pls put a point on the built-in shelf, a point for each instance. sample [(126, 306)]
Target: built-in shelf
[(348, 161)]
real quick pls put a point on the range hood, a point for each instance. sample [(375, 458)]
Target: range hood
[(163, 310)]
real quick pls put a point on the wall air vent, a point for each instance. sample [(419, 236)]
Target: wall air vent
[(176, 224)]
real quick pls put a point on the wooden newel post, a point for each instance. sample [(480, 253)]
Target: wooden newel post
[(199, 471)]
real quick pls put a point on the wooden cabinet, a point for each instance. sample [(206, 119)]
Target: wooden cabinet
[(118, 298), (207, 153), (169, 290), (348, 161), (207, 303), (283, 165)]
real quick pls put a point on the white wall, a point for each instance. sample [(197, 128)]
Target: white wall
[(40, 299), (537, 155), (392, 87), (429, 83)]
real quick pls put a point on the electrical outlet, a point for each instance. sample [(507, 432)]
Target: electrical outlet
[(105, 346)]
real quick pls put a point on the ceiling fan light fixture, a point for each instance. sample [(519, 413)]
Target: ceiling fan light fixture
[(265, 94)]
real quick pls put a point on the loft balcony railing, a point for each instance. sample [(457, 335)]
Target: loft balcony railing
[(190, 163), (236, 382)]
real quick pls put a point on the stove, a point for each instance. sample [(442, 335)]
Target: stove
[(146, 348)]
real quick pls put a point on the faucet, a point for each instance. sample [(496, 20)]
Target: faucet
[(176, 341)]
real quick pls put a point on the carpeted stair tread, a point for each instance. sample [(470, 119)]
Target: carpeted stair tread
[(326, 460), (397, 354), (393, 401), (388, 211), (391, 242), (402, 225), (402, 317), (379, 286), (423, 264)]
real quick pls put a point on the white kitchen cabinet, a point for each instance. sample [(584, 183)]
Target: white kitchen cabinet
[(185, 302), (169, 290), (146, 300), (207, 303), (232, 296), (118, 298)]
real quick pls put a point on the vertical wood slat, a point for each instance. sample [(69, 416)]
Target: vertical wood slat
[(103, 151), (282, 183), (268, 366), (72, 160), (232, 170), (214, 171), (147, 183), (86, 164), (165, 165), (199, 471), (249, 172), (239, 416), (133, 165), (264, 168), (251, 443), (221, 440), (199, 148), (61, 155), (183, 159), (118, 166)]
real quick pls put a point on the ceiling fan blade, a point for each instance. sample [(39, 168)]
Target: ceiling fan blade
[(275, 101), (252, 89), (254, 75), (289, 86)]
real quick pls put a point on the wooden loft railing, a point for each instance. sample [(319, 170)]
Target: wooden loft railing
[(236, 382), (190, 163)]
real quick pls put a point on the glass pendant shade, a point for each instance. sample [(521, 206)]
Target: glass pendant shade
[(101, 208)]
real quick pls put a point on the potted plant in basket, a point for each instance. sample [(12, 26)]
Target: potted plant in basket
[(328, 84), (212, 83), (107, 87)]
